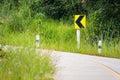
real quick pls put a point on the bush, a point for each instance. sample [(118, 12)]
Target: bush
[(19, 19), (103, 20), (58, 9)]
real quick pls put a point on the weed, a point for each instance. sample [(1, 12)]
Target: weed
[(25, 64)]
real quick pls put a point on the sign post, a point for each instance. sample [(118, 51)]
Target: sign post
[(78, 38), (79, 22)]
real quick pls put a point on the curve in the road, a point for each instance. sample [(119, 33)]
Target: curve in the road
[(83, 67)]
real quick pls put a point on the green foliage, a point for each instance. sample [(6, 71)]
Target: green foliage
[(18, 16), (26, 65), (19, 19), (60, 36), (31, 17), (58, 9), (104, 14), (103, 20)]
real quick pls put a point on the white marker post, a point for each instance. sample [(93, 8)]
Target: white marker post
[(78, 38), (37, 41), (99, 46)]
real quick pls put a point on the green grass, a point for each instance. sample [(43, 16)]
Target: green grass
[(25, 64), (61, 36)]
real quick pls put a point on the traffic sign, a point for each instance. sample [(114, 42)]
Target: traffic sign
[(79, 21)]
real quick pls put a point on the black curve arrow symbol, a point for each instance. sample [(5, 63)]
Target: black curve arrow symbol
[(79, 23)]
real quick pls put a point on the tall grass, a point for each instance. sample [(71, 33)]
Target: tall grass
[(61, 36), (25, 64)]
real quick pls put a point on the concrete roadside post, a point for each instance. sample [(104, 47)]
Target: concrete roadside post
[(99, 46)]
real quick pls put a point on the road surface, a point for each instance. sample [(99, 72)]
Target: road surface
[(83, 67)]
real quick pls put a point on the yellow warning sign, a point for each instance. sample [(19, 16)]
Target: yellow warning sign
[(80, 21)]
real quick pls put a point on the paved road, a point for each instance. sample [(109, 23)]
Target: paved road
[(83, 67)]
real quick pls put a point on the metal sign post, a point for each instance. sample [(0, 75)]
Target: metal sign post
[(78, 38)]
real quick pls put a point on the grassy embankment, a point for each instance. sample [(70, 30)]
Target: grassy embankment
[(61, 36)]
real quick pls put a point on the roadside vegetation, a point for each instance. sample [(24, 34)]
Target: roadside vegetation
[(25, 64), (21, 20)]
